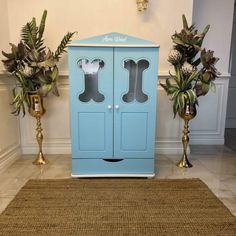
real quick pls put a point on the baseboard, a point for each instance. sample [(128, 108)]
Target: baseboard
[(207, 141), (63, 149), (169, 148), (165, 148), (9, 156), (161, 148)]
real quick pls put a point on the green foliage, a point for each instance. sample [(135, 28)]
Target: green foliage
[(62, 45), (194, 68), (34, 66)]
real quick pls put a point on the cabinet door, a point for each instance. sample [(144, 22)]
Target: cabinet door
[(135, 89), (91, 89)]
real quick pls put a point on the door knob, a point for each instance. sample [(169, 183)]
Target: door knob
[(117, 107), (109, 107)]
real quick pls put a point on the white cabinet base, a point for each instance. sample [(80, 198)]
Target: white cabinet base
[(114, 175)]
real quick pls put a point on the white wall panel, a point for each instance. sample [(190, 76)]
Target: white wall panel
[(206, 128), (209, 125), (9, 126), (168, 129), (55, 124)]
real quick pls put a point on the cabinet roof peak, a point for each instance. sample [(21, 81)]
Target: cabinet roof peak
[(113, 39)]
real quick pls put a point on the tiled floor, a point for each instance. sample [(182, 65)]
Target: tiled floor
[(215, 165)]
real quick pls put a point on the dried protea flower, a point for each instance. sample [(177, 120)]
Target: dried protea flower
[(187, 68), (28, 71), (174, 56)]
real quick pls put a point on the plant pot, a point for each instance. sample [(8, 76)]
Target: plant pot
[(189, 112), (36, 107)]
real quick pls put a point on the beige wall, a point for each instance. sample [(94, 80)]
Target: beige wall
[(9, 124), (4, 29), (93, 17)]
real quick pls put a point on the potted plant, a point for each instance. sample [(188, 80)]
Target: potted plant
[(193, 76), (34, 67)]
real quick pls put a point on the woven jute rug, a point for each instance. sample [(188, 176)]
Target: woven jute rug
[(85, 207)]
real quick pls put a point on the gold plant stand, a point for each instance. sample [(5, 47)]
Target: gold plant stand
[(189, 113), (37, 110)]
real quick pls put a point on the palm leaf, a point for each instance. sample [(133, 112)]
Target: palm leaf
[(64, 42), (42, 26), (40, 40), (34, 29), (28, 34), (204, 34), (32, 35)]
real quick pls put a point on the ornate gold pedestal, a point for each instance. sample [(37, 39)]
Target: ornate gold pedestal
[(37, 110), (189, 113)]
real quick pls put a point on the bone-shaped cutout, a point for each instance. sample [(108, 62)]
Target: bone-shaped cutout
[(90, 70), (135, 80)]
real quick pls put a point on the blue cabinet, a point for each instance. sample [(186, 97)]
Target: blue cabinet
[(113, 89)]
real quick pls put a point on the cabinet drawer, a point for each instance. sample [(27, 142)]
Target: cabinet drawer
[(121, 168)]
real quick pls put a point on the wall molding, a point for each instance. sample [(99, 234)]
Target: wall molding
[(172, 147), (48, 149), (9, 156), (169, 147), (10, 147), (208, 127), (62, 145), (170, 144), (51, 144)]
